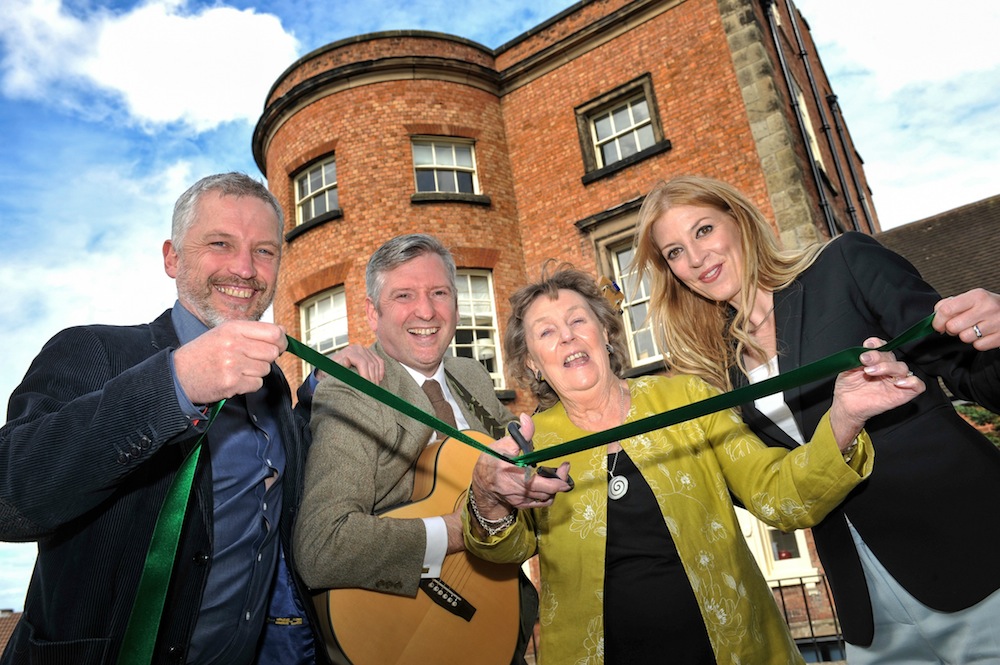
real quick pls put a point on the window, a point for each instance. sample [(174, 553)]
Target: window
[(638, 329), (779, 555), (324, 321), (622, 131), (476, 335), (445, 166), (316, 192), (814, 150), (619, 128)]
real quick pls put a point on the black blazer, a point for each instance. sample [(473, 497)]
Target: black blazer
[(931, 509), (95, 436)]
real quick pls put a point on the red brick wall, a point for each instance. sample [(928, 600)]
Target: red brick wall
[(685, 52)]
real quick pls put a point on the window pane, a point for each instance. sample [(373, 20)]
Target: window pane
[(446, 181), (315, 180), (319, 206), (602, 127), (627, 145), (443, 155), (609, 153), (620, 119), (644, 346), (640, 111), (784, 545), (645, 134), (302, 186), (422, 154), (463, 155), (330, 172), (637, 315), (465, 182), (332, 199), (425, 181)]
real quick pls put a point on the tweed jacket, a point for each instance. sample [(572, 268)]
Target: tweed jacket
[(691, 468), (94, 438), (930, 510), (361, 463)]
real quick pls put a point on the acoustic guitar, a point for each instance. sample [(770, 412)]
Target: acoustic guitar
[(468, 615)]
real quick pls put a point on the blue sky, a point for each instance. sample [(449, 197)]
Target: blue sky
[(109, 109)]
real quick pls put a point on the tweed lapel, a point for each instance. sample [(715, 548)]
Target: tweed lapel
[(399, 382)]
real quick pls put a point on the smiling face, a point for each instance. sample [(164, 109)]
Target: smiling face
[(701, 245), (565, 340), (416, 315), (227, 265)]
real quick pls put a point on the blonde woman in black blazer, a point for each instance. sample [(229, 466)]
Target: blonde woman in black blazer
[(911, 554)]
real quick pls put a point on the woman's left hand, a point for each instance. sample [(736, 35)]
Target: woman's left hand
[(880, 384)]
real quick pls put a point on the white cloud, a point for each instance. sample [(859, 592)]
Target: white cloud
[(39, 37), (198, 69), (102, 267)]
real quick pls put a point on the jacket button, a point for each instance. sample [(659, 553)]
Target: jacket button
[(174, 652), (123, 457), (200, 558)]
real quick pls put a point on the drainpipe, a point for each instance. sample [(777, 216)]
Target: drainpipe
[(824, 204), (838, 122), (818, 100)]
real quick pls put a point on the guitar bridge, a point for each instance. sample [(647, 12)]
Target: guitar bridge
[(446, 597)]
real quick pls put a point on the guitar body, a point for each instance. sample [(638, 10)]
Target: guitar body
[(475, 615)]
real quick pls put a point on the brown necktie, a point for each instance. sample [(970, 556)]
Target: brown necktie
[(442, 409)]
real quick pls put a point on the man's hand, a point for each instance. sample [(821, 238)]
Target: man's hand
[(973, 317), (369, 365), (231, 359)]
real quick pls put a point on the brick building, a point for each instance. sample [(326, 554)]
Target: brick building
[(542, 148)]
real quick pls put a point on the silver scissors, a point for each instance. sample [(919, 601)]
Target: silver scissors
[(514, 429)]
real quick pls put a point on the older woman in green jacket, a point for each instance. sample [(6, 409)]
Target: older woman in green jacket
[(644, 560)]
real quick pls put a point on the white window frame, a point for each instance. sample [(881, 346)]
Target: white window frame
[(337, 323), (477, 324), (641, 130), (305, 201), (624, 277), (444, 160), (773, 567)]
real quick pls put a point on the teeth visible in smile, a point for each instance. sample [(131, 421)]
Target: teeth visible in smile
[(235, 291), (710, 274), (422, 331), (570, 358)]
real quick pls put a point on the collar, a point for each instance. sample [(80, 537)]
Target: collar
[(186, 324)]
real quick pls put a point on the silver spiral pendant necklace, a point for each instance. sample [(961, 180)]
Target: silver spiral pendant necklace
[(617, 485)]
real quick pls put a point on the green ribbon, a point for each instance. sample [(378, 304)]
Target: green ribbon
[(143, 625), (151, 594), (317, 359), (834, 364)]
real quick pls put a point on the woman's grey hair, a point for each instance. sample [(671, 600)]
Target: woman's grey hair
[(515, 344), (226, 184), (398, 251)]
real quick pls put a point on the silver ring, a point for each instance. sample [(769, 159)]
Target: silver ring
[(979, 333)]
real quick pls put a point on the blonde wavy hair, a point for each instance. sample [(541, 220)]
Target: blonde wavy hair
[(700, 336)]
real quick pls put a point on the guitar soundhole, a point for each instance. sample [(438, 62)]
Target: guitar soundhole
[(446, 597)]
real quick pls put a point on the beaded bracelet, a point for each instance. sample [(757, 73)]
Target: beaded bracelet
[(491, 527), (849, 451)]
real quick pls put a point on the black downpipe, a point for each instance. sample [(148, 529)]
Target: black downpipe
[(824, 204), (838, 123), (818, 100)]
